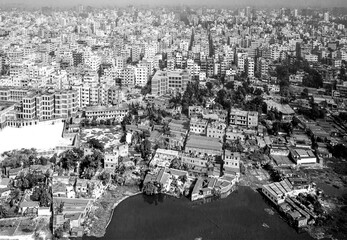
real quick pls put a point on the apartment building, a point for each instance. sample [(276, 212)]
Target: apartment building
[(262, 67), (240, 61), (128, 76), (141, 76), (249, 67)]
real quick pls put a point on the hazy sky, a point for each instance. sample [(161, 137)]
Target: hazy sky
[(263, 3)]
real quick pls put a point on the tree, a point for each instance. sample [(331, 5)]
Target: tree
[(145, 148), (149, 188), (95, 143), (59, 233), (60, 207), (229, 85), (183, 178), (3, 211), (15, 196), (258, 92), (209, 87), (105, 177), (276, 127), (175, 163), (43, 161)]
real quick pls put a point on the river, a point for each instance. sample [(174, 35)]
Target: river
[(241, 215)]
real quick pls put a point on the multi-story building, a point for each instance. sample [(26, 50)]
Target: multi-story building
[(141, 76), (103, 112), (12, 94), (29, 107), (216, 130), (198, 126), (93, 62), (250, 67), (232, 161), (311, 57), (65, 103), (164, 81), (136, 53), (49, 105), (243, 118), (262, 67), (128, 76), (240, 61), (45, 106), (342, 89), (111, 161)]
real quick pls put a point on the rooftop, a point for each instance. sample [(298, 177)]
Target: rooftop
[(202, 142)]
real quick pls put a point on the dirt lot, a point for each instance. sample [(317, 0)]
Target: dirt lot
[(254, 177)]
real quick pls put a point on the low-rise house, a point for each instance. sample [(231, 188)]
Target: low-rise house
[(164, 178), (163, 157), (302, 141), (70, 192), (211, 186), (123, 150), (14, 172), (76, 232), (176, 141), (28, 207), (193, 161), (197, 190), (277, 192), (156, 137), (285, 111), (59, 190), (81, 186), (195, 110), (219, 115), (72, 206), (63, 179), (279, 150), (4, 182), (44, 211)]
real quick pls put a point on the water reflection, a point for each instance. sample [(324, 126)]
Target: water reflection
[(159, 198)]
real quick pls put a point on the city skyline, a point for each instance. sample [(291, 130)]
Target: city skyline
[(217, 3)]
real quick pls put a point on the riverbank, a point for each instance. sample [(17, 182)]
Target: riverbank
[(128, 194), (239, 216), (102, 211)]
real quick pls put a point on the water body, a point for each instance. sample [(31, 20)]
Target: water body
[(239, 216)]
